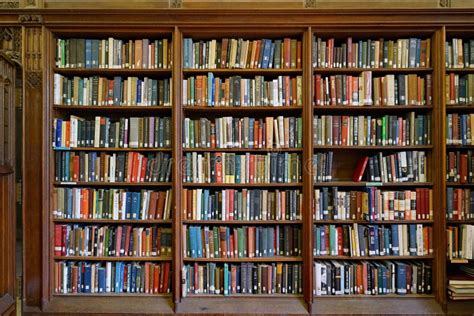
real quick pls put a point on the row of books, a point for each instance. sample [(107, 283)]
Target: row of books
[(239, 53), (460, 242), (117, 204), (373, 204), (244, 204), (365, 89), (244, 278), (242, 168), (459, 167), (372, 240), (403, 166), (381, 53), (111, 277), (112, 241), (459, 88), (102, 91), (237, 91), (459, 203), (370, 131), (371, 278), (241, 242), (104, 132), (246, 132), (459, 53), (459, 129), (117, 167), (113, 53)]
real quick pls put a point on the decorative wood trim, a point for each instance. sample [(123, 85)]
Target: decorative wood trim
[(310, 3), (30, 19), (28, 4), (445, 3), (9, 5), (176, 4), (34, 79)]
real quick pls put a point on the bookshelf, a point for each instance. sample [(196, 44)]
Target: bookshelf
[(40, 183), (111, 178), (458, 108)]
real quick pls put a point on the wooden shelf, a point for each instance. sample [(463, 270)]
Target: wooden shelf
[(244, 110), (458, 260), (112, 72), (113, 184), (358, 221), (243, 150), (241, 71), (369, 109), (112, 221), (372, 184), (242, 222), (237, 295), (111, 258), (110, 149), (459, 108), (378, 296), (118, 108), (387, 147), (373, 257), (418, 70), (112, 295), (457, 184), (254, 259), (460, 70), (243, 185), (460, 146), (460, 221)]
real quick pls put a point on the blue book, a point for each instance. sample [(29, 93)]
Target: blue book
[(325, 203), (418, 52), (68, 210), (210, 95), (67, 165), (271, 238), (387, 243), (360, 54), (257, 243), (87, 279), (371, 230), (412, 53), (92, 166), (266, 53), (272, 53), (128, 205), (251, 136), (317, 238), (80, 98), (139, 91), (193, 241), (59, 132), (197, 231), (101, 279), (323, 237), (332, 240), (401, 278), (226, 279), (363, 239), (133, 277), (117, 90), (88, 53), (412, 239), (377, 240), (213, 92), (135, 211), (395, 241), (205, 205)]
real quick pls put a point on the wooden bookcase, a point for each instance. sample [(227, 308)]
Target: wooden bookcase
[(215, 24)]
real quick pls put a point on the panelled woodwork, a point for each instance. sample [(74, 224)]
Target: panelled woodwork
[(7, 186), (38, 51)]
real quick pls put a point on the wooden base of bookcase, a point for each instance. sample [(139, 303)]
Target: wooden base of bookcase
[(237, 305), (83, 305), (375, 305), (460, 307)]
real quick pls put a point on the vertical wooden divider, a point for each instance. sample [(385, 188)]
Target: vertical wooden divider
[(177, 158), (439, 72), (307, 171)]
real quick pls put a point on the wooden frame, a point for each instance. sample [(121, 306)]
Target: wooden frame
[(36, 141)]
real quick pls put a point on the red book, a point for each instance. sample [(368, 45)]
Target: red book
[(158, 242), (340, 241), (161, 205), (118, 243), (75, 168), (419, 208), (463, 169), (251, 169), (58, 232), (153, 205), (166, 276), (147, 277), (143, 169), (156, 277), (317, 88), (218, 167), (127, 239), (360, 169)]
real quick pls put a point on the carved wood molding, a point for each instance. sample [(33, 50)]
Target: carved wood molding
[(10, 43), (30, 19), (310, 3), (34, 79), (445, 3), (10, 5), (176, 3)]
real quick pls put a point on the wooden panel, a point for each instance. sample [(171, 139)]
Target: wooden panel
[(106, 4), (356, 4), (229, 4)]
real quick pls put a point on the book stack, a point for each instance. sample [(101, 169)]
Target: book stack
[(461, 283)]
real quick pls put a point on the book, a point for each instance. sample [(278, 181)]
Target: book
[(459, 53), (360, 169), (404, 166), (459, 166), (460, 244)]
